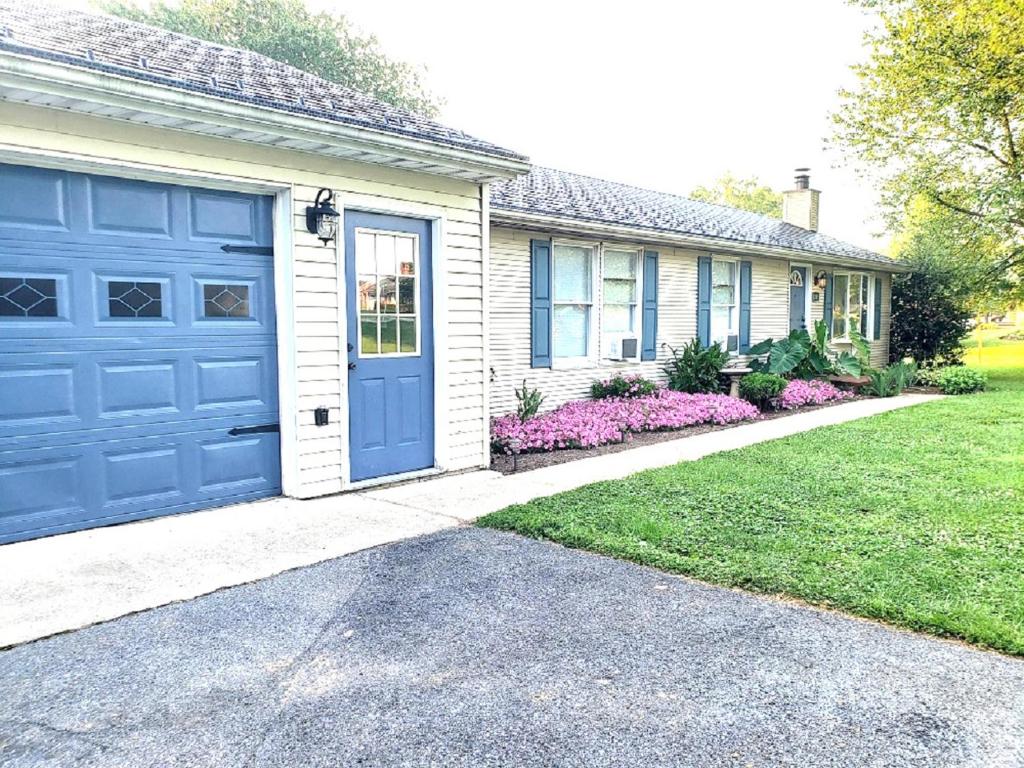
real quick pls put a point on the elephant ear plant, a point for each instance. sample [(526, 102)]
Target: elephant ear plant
[(804, 356)]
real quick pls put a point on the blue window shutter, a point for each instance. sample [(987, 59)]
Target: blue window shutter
[(745, 286), (876, 330), (540, 303), (826, 308), (649, 322), (704, 300)]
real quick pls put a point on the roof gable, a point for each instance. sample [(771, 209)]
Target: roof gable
[(148, 54)]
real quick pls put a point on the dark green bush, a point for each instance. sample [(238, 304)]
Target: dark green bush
[(696, 369), (761, 388), (960, 380), (928, 323), (622, 386)]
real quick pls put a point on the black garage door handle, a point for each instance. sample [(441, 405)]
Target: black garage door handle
[(235, 431)]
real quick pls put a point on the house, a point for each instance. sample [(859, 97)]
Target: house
[(223, 279), (606, 278)]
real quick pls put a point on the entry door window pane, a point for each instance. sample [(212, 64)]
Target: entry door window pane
[(388, 293)]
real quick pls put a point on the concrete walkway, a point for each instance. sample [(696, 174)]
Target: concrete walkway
[(70, 581)]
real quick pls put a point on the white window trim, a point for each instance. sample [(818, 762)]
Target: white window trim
[(580, 361), (638, 317), (711, 300), (868, 330), (596, 357)]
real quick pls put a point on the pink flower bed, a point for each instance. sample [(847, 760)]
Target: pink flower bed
[(588, 423), (799, 393)]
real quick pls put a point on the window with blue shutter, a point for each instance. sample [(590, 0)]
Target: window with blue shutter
[(704, 300), (746, 273), (649, 322), (540, 303)]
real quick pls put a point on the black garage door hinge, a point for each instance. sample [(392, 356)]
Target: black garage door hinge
[(235, 431)]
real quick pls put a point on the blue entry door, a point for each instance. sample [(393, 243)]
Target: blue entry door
[(390, 344), (138, 351), (797, 298)]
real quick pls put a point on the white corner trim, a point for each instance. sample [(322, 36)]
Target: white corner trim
[(287, 364), (485, 255)]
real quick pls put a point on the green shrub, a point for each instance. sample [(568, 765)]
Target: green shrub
[(960, 380), (761, 388), (891, 381), (530, 401), (696, 369), (929, 377), (622, 386)]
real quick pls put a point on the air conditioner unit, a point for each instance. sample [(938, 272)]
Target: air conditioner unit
[(624, 348)]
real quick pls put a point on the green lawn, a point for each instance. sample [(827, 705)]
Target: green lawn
[(914, 517)]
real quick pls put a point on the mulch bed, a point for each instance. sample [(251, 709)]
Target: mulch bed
[(503, 463)]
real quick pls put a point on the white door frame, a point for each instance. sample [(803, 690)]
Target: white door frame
[(439, 274), (284, 301)]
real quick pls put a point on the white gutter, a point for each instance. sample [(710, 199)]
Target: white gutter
[(67, 81), (526, 220)]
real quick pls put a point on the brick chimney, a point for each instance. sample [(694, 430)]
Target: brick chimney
[(800, 205)]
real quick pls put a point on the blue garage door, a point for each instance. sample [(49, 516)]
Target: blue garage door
[(138, 372)]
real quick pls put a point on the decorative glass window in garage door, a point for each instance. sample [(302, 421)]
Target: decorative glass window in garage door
[(138, 363)]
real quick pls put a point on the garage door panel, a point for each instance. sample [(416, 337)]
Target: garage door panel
[(61, 487), (133, 346), (110, 298), (34, 199)]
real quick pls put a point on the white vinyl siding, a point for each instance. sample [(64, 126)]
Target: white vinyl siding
[(319, 322)]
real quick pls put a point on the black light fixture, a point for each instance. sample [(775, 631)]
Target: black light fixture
[(322, 218)]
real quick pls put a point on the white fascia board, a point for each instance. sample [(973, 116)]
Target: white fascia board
[(62, 80), (526, 220)]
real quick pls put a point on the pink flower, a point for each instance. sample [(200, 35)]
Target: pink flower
[(589, 423), (799, 392)]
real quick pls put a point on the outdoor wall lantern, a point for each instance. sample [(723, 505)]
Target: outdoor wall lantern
[(322, 219), (821, 279)]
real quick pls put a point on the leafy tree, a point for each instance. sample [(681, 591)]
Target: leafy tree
[(325, 45), (928, 322), (939, 114), (747, 194)]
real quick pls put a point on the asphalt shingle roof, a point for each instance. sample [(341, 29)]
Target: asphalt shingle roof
[(141, 52), (584, 198)]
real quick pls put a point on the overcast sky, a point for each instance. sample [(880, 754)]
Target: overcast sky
[(666, 95)]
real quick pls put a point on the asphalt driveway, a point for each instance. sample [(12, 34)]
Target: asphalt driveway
[(476, 648)]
